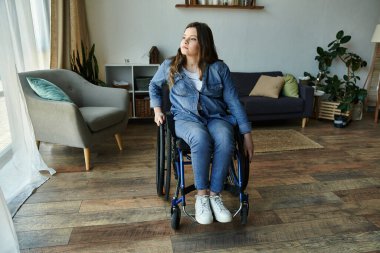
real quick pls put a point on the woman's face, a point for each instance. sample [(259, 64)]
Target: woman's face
[(189, 43)]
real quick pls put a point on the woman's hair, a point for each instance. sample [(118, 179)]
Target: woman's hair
[(207, 51)]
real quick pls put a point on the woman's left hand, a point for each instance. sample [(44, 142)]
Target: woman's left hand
[(248, 146)]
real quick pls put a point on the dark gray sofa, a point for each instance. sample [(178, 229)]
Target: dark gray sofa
[(265, 108)]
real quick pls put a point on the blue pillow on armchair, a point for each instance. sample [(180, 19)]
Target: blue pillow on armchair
[(47, 90)]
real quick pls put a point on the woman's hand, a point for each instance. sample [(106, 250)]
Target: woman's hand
[(159, 117), (248, 146)]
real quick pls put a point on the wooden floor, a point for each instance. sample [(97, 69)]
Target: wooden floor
[(324, 200)]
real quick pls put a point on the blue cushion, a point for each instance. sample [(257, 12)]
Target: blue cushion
[(47, 90)]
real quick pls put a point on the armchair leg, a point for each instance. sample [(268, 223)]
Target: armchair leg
[(304, 120), (119, 141), (38, 144), (87, 158)]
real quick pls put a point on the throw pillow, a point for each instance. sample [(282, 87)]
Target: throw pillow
[(290, 87), (47, 90), (268, 86)]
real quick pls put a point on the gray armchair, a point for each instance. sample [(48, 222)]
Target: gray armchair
[(97, 111)]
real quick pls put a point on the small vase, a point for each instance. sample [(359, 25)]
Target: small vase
[(357, 111)]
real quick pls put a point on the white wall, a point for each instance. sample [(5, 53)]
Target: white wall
[(283, 36)]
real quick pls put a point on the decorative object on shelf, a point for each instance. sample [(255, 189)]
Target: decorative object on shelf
[(203, 2), (121, 84), (86, 65), (215, 2), (342, 90), (245, 2), (154, 55), (222, 4), (376, 39)]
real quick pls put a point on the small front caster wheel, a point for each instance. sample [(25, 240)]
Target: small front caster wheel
[(176, 217), (244, 214)]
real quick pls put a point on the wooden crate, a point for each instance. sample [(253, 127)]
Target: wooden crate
[(328, 109)]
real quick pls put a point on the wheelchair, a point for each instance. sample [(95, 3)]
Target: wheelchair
[(173, 152)]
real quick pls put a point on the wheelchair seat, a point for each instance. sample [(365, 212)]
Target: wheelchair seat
[(181, 144)]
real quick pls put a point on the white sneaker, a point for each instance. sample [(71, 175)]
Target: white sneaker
[(220, 211), (203, 212)]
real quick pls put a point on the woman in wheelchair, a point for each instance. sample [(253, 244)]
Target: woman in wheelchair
[(205, 107)]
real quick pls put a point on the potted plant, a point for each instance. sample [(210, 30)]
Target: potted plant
[(342, 90), (87, 65)]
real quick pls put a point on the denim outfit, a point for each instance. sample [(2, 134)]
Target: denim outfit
[(201, 119)]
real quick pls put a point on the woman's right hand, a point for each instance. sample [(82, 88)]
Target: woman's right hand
[(248, 146), (159, 116)]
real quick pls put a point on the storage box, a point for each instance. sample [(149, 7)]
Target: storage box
[(143, 107), (142, 83)]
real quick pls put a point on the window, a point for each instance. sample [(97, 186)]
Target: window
[(40, 10)]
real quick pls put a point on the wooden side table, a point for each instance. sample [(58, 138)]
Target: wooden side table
[(317, 101)]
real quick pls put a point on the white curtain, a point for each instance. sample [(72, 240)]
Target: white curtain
[(8, 237), (19, 52)]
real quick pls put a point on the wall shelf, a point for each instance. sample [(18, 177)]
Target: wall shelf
[(220, 6)]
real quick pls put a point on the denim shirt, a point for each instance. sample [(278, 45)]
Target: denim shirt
[(218, 97)]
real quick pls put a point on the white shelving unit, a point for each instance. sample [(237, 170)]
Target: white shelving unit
[(125, 75)]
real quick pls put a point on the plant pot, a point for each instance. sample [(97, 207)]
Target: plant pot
[(328, 109), (357, 111), (341, 121)]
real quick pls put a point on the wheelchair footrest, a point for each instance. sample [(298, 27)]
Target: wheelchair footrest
[(188, 189)]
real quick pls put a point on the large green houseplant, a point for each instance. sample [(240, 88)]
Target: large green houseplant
[(340, 89), (87, 65)]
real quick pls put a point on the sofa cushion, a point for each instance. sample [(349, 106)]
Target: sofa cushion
[(244, 82), (266, 105), (268, 86), (47, 90), (290, 87), (98, 118)]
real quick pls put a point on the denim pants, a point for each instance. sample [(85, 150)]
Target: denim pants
[(204, 140)]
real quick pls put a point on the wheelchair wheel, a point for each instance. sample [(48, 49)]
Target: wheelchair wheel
[(160, 160), (244, 214), (176, 217), (238, 176), (168, 163), (244, 161)]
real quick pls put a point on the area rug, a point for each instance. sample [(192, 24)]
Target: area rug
[(281, 140)]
